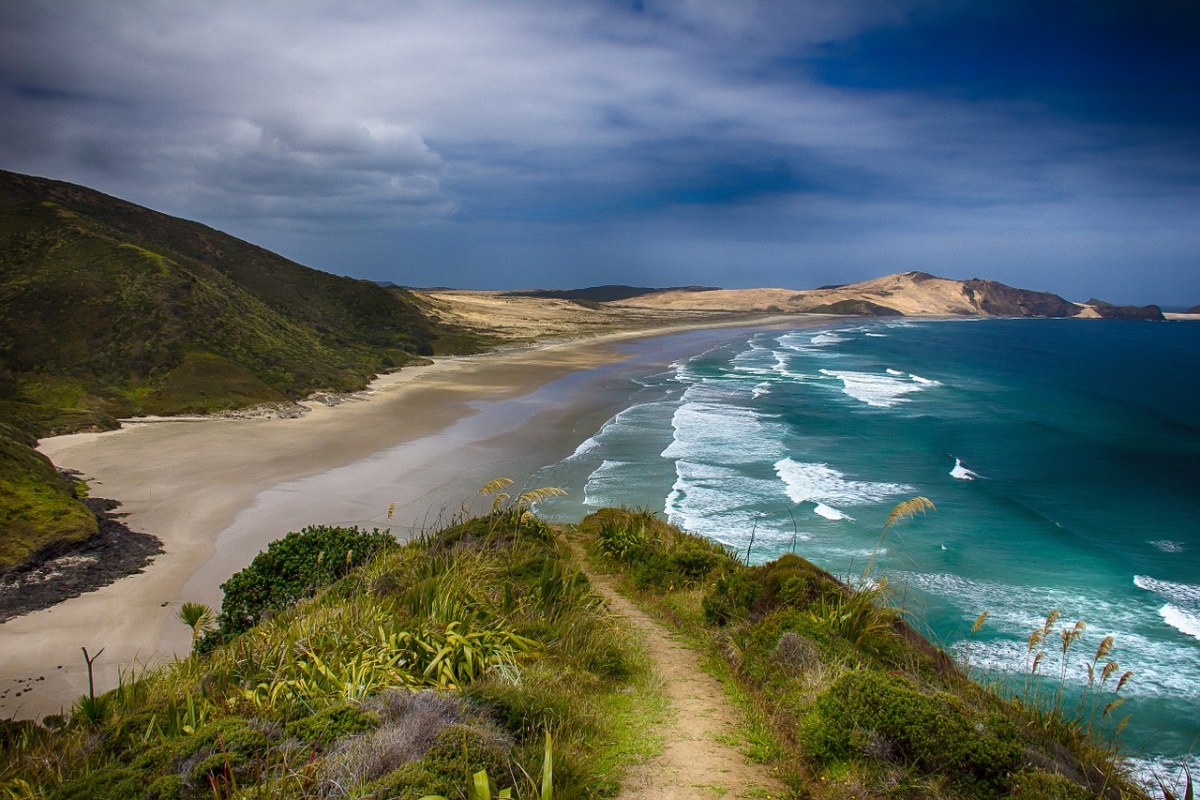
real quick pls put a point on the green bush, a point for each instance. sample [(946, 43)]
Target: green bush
[(622, 540), (330, 724), (730, 597), (113, 782), (791, 581), (542, 698), (292, 568), (874, 715), (754, 592), (166, 787), (1038, 785)]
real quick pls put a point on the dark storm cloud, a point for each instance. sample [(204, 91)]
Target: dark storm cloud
[(701, 142)]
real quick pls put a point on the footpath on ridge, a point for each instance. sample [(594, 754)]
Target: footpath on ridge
[(695, 761)]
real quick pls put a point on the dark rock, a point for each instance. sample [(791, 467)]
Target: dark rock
[(862, 308), (1129, 312), (113, 553), (998, 300)]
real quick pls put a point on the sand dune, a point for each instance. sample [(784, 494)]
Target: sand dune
[(908, 293)]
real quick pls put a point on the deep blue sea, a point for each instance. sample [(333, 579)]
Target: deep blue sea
[(1063, 457)]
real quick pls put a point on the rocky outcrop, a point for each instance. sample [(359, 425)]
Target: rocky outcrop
[(996, 299), (1109, 311), (861, 308)]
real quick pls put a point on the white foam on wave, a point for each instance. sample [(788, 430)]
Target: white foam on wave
[(959, 472), (1162, 668), (1149, 770), (895, 372), (708, 424), (827, 488), (717, 501), (588, 445), (877, 335), (812, 344), (1182, 621), (761, 389), (757, 360), (1167, 545), (784, 369), (822, 339), (1182, 609), (604, 484), (1187, 594), (828, 512), (879, 391), (923, 381)]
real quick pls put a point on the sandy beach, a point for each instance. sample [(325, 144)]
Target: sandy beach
[(217, 491)]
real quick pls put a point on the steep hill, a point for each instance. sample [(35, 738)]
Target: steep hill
[(109, 306), (907, 293), (110, 309)]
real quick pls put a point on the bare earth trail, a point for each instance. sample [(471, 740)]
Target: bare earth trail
[(694, 763)]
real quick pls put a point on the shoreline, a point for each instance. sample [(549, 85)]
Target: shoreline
[(217, 490)]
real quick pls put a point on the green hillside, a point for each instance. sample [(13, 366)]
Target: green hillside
[(375, 670), (108, 306), (109, 309), (39, 511)]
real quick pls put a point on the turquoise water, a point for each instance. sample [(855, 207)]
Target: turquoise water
[(1063, 457)]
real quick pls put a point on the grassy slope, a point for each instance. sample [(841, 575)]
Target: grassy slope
[(109, 309), (317, 700), (39, 510), (845, 699), (112, 306), (433, 660)]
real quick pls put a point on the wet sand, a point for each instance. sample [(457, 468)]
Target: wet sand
[(217, 491)]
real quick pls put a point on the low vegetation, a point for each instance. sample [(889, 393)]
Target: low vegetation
[(854, 701), (403, 676), (478, 662), (40, 512)]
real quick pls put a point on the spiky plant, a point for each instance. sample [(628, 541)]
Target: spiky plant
[(199, 617)]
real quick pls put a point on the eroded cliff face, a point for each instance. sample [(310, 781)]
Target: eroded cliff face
[(1102, 310), (992, 298)]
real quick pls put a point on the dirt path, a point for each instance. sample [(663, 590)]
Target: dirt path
[(695, 763)]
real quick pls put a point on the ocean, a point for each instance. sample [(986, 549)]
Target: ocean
[(1063, 457)]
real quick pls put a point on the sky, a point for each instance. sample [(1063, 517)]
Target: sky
[(1051, 145)]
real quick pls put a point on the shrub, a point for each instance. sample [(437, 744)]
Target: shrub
[(113, 782), (294, 567), (730, 597), (330, 724), (622, 540), (868, 713), (1038, 785), (754, 592), (166, 787)]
